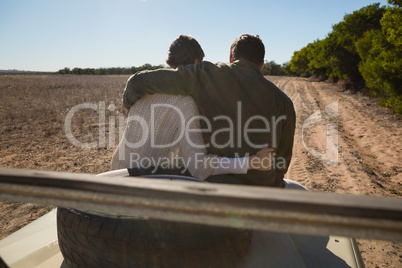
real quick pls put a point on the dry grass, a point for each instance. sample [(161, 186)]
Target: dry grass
[(32, 115)]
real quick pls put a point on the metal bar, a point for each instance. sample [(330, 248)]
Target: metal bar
[(214, 204)]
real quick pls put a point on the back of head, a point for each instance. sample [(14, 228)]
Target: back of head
[(184, 50), (248, 47)]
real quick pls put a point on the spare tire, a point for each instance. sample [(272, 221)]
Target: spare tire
[(90, 240)]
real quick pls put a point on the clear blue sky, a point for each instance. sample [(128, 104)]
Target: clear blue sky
[(48, 35)]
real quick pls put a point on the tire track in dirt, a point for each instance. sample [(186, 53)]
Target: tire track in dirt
[(368, 154), (369, 139), (302, 164), (304, 167), (363, 142), (369, 159), (333, 178)]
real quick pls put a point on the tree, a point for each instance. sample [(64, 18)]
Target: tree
[(286, 68), (395, 2), (364, 49), (391, 24), (65, 71), (345, 59), (381, 53), (300, 62), (272, 68), (318, 56), (107, 71)]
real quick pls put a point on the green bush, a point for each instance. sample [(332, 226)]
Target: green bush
[(364, 50)]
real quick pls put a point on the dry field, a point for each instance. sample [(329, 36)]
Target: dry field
[(33, 110)]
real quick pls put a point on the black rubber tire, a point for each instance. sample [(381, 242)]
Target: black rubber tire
[(88, 240), (2, 263)]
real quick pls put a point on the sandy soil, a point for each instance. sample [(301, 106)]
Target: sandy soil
[(370, 153), (33, 111)]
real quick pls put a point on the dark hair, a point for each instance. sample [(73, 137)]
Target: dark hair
[(248, 47), (184, 50)]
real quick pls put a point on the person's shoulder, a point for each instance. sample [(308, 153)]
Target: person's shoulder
[(199, 69), (145, 72), (201, 65), (279, 92)]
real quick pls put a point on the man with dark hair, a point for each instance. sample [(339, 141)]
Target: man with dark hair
[(248, 47), (184, 50), (242, 111)]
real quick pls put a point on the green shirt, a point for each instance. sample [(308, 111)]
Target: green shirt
[(260, 113)]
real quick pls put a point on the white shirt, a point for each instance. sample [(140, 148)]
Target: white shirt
[(157, 134)]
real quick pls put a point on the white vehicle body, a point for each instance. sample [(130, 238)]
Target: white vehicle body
[(36, 245)]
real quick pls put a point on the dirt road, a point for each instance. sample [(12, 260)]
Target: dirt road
[(367, 139), (369, 160)]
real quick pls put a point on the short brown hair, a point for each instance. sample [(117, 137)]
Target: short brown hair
[(248, 47), (184, 50)]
